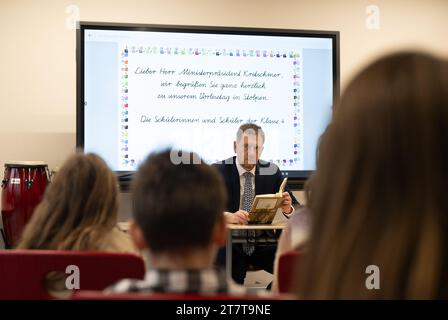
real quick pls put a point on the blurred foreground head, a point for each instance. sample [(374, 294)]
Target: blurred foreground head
[(378, 195)]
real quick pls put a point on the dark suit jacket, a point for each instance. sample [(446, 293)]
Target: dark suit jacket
[(264, 183)]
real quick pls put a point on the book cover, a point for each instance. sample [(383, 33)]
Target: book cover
[(265, 206)]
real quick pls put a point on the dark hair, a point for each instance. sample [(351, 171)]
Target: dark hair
[(252, 128), (177, 205), (378, 196)]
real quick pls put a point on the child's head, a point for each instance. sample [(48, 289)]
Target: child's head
[(178, 206)]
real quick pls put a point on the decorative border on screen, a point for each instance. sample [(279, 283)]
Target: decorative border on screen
[(297, 148)]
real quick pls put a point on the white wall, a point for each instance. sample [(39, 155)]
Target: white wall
[(37, 50)]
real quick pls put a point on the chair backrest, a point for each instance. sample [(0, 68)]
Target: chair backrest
[(287, 268), (22, 272), (99, 295)]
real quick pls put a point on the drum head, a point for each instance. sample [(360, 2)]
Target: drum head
[(25, 164)]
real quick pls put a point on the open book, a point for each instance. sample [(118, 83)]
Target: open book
[(265, 206)]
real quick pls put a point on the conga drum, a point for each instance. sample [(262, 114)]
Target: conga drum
[(23, 186)]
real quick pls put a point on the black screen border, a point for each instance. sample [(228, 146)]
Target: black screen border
[(296, 178)]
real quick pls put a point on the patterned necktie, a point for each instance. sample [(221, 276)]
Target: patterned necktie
[(248, 198)]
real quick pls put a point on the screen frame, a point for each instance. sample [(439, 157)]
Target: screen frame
[(294, 181)]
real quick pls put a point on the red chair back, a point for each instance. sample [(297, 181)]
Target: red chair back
[(22, 272), (287, 268)]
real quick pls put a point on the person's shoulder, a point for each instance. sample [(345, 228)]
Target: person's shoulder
[(268, 168), (266, 164), (226, 164)]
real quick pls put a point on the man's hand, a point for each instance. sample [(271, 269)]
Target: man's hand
[(239, 217), (286, 203)]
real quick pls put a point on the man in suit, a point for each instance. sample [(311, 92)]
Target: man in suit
[(245, 176)]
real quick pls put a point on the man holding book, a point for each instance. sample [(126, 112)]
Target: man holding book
[(246, 176)]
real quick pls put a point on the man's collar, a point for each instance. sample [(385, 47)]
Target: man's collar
[(241, 170)]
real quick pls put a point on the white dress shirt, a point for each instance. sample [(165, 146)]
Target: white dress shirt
[(242, 171)]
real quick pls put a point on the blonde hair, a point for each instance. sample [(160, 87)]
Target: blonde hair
[(78, 208)]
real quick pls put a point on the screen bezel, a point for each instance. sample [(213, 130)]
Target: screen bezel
[(296, 177)]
